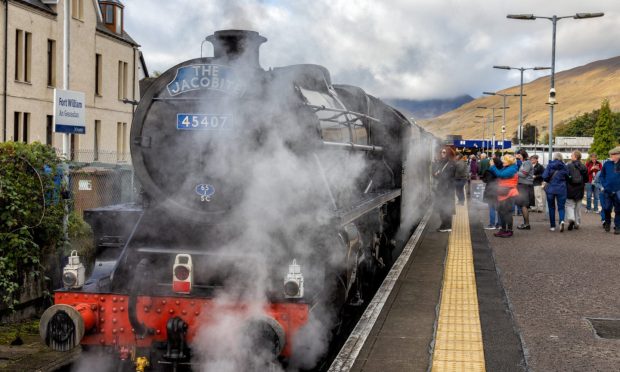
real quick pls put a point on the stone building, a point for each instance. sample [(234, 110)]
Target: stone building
[(104, 63)]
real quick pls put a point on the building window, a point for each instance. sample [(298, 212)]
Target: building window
[(98, 75), (23, 55), (97, 134), (122, 79), (75, 147), (26, 127), (21, 126), (119, 20), (17, 119), (77, 9), (121, 144), (51, 63), (109, 14), (49, 130)]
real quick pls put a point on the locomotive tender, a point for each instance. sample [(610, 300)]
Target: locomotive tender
[(273, 198)]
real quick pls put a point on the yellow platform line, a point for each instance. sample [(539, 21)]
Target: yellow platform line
[(458, 338)]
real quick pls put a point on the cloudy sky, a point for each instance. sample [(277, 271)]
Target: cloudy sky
[(417, 49)]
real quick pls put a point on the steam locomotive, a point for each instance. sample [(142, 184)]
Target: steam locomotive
[(272, 199)]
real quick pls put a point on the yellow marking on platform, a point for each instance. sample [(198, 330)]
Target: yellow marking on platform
[(458, 339)]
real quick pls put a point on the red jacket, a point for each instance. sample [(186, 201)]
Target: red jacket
[(592, 172)]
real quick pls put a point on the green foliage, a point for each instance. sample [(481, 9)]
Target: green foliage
[(529, 134), (584, 125), (30, 213), (604, 137)]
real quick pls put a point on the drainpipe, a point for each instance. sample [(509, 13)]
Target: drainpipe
[(66, 144), (6, 63)]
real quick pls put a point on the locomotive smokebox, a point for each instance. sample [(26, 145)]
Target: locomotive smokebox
[(237, 45)]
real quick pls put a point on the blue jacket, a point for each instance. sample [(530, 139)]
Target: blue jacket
[(609, 176), (505, 172), (556, 175)]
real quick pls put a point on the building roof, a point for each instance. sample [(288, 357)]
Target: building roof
[(38, 5), (123, 37)]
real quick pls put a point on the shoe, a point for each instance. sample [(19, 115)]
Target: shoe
[(616, 231), (499, 233), (490, 227), (576, 227), (552, 229), (607, 227), (445, 230), (571, 225), (524, 227), (561, 226), (497, 227), (506, 234)]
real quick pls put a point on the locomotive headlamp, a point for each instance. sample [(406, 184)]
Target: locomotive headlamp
[(182, 274), (73, 272), (294, 282)]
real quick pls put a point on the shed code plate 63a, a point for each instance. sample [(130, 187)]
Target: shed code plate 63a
[(203, 122)]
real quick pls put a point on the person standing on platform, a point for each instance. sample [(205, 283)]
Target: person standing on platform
[(490, 195), (594, 166), (537, 171), (610, 186), (444, 173), (575, 185), (506, 193), (462, 174), (555, 176), (525, 188), (483, 164)]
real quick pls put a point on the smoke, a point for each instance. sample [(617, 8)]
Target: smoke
[(284, 212)]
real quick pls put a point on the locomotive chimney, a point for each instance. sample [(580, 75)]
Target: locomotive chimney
[(239, 45)]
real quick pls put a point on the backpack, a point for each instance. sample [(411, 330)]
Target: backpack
[(575, 174)]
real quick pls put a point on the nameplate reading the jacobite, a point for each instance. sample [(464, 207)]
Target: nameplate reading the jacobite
[(205, 77)]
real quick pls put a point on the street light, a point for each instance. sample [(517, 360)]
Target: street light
[(504, 107), (493, 116), (554, 19), (520, 130), (484, 127)]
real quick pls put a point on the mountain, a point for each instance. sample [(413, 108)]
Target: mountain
[(426, 109), (578, 90)]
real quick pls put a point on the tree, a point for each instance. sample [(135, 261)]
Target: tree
[(529, 134), (604, 137)]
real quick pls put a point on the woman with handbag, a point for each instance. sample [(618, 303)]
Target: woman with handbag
[(555, 177), (506, 193)]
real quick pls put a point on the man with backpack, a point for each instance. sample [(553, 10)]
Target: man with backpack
[(575, 186)]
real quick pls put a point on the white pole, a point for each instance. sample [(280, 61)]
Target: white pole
[(66, 143)]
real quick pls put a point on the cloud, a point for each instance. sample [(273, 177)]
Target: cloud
[(422, 49)]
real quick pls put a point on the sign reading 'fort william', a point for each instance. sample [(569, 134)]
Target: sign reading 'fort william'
[(69, 112)]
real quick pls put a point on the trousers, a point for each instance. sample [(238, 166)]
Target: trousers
[(573, 211), (539, 197)]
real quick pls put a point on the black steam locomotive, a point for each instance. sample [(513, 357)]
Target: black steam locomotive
[(271, 201)]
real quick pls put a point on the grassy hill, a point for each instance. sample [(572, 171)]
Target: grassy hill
[(579, 90)]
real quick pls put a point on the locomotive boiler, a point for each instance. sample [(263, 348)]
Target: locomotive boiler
[(272, 199)]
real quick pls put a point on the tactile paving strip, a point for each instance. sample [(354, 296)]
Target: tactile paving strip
[(458, 339)]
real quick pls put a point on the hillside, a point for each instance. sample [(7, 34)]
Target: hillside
[(426, 109), (579, 90)]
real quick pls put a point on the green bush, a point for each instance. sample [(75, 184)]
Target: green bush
[(31, 213)]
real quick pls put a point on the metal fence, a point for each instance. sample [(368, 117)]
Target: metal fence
[(100, 179)]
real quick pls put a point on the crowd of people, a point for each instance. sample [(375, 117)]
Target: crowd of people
[(520, 183)]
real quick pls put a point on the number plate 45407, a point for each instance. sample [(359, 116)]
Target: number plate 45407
[(203, 122)]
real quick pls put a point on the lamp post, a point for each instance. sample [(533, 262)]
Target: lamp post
[(493, 116), (520, 130), (503, 143), (554, 20), (503, 95), (484, 127)]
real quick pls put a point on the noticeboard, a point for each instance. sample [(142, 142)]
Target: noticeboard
[(477, 189), (69, 112)]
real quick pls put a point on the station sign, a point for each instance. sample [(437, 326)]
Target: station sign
[(69, 112), (487, 144)]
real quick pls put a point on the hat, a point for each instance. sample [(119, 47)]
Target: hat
[(615, 150)]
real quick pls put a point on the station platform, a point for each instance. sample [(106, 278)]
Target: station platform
[(470, 301)]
